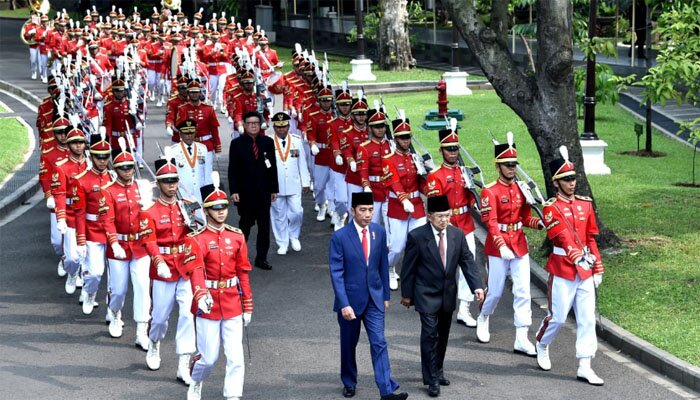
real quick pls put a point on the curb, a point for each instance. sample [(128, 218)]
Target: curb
[(31, 187), (639, 349)]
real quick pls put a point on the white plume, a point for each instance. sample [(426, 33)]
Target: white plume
[(136, 9), (215, 179), (402, 114), (233, 19), (114, 8), (360, 94), (250, 21), (297, 48), (453, 125), (223, 14), (122, 144), (509, 138), (74, 120), (344, 85), (213, 16), (167, 153), (201, 10), (94, 8), (376, 105), (257, 28), (120, 10), (564, 153), (155, 10), (103, 132)]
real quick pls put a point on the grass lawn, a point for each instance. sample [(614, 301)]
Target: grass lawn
[(2, 108), (18, 13), (339, 68), (15, 144), (652, 283)]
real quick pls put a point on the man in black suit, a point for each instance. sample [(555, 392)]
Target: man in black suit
[(252, 177), (429, 281)]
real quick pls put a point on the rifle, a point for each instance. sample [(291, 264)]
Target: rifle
[(468, 173), (421, 157), (187, 209)]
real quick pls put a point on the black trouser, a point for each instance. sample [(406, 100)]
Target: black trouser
[(434, 332), (250, 215)]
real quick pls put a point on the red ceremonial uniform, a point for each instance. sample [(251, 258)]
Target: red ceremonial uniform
[(116, 119), (336, 128), (121, 219), (47, 164), (401, 178), (89, 205), (164, 238), (369, 164), (63, 187), (30, 34), (505, 212), (317, 132), (44, 121), (245, 103), (154, 59), (349, 143), (207, 123), (213, 255), (171, 112), (216, 59), (570, 225), (448, 180)]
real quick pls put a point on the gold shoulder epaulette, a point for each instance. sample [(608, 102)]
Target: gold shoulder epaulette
[(294, 135), (148, 207), (550, 201), (238, 95), (80, 175), (47, 151), (490, 184), (311, 114), (388, 155), (365, 142), (195, 233), (435, 170), (348, 130), (108, 184), (61, 162), (584, 198), (232, 229)]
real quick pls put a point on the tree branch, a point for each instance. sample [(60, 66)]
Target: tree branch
[(499, 20)]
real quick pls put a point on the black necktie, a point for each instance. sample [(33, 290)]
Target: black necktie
[(189, 149), (284, 143)]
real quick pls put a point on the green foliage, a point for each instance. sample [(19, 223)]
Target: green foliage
[(370, 26), (416, 14), (607, 85)]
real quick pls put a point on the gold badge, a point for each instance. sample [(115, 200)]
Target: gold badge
[(548, 217), (143, 224), (188, 250), (431, 184), (75, 190), (484, 201), (386, 169), (54, 177), (102, 201)]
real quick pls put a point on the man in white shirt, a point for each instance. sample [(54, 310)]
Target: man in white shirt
[(293, 176)]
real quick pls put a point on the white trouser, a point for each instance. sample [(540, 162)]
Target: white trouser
[(463, 291), (214, 89), (294, 129), (153, 78), (71, 262), (352, 189), (322, 183), (564, 294), (163, 296), (43, 61), (167, 87), (138, 143), (119, 272), (94, 266), (310, 160), (397, 232), (379, 216), (210, 334), (56, 237), (340, 192), (287, 215), (57, 63), (34, 59), (519, 269)]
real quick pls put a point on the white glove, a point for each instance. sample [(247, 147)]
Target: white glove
[(408, 206), (230, 120), (138, 126), (163, 270), (339, 160), (169, 129), (353, 166), (367, 189), (246, 318), (205, 304), (61, 226), (118, 251), (506, 253), (217, 156), (81, 250), (314, 149), (584, 264), (293, 112), (50, 203), (597, 280)]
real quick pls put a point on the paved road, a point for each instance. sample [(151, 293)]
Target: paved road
[(49, 349)]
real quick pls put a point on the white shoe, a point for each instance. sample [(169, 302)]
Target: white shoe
[(586, 374), (142, 336), (464, 315), (340, 223), (195, 391), (282, 251), (183, 369), (393, 279), (109, 317), (482, 329), (59, 269), (316, 207), (44, 79), (296, 245), (334, 217), (160, 103), (79, 280), (33, 75), (153, 96), (70, 283), (522, 344), (322, 212), (153, 355), (89, 303), (543, 357), (233, 398), (116, 327)]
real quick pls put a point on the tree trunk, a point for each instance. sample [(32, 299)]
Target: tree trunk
[(394, 45), (545, 101)]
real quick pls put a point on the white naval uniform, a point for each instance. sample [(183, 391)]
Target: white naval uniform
[(194, 170), (286, 212)]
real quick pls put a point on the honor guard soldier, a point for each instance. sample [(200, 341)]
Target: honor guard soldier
[(45, 116), (165, 243), (126, 255), (293, 178), (369, 163), (505, 211), (217, 259), (171, 110), (88, 206), (575, 269), (47, 165), (246, 100), (62, 187), (317, 136), (352, 138), (336, 127), (205, 116), (117, 119), (406, 210), (193, 168), (448, 180)]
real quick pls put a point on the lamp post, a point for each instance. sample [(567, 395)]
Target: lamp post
[(455, 48), (360, 30), (589, 97), (361, 65)]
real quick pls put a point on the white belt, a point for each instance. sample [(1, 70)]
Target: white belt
[(91, 217), (216, 64), (559, 251), (118, 133), (321, 145), (171, 250), (460, 210), (203, 138), (375, 178), (222, 284), (411, 195), (510, 227), (155, 61), (69, 202), (127, 238)]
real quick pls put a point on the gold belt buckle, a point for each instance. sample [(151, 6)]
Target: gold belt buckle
[(174, 250), (130, 237), (222, 284)]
